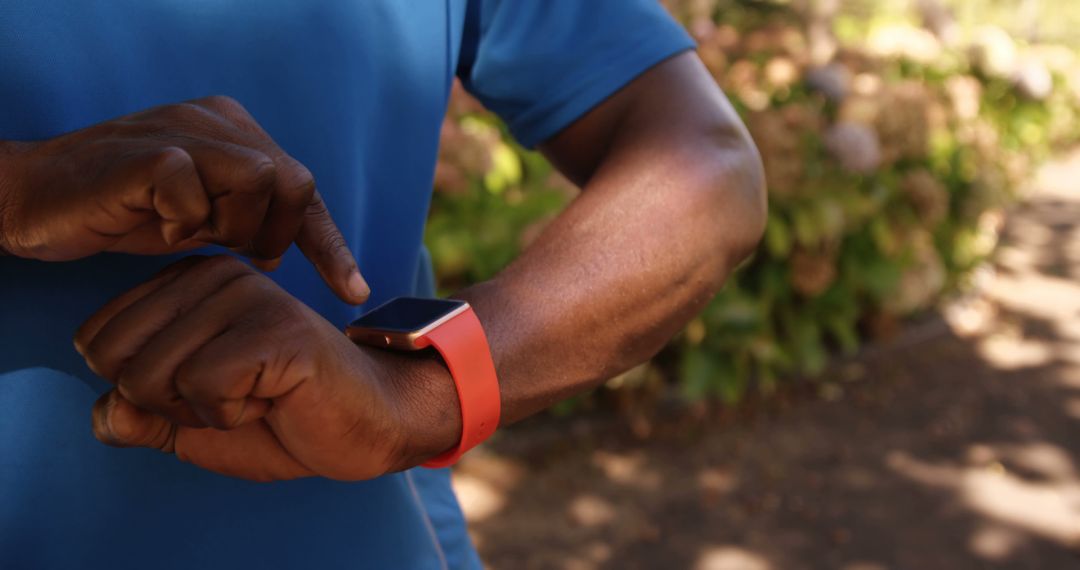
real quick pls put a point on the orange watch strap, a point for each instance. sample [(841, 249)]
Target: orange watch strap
[(464, 348)]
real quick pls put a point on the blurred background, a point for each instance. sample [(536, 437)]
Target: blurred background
[(893, 380)]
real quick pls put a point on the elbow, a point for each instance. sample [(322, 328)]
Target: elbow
[(748, 178), (722, 206), (737, 199)]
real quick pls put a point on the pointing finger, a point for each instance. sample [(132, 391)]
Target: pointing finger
[(322, 243)]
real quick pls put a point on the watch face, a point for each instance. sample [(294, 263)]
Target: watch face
[(406, 314)]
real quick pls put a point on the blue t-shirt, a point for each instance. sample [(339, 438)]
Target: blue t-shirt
[(354, 90)]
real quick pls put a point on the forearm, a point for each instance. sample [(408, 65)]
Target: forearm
[(651, 239), (672, 200), (7, 191)]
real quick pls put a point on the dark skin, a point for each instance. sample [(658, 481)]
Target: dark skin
[(672, 201), (165, 180)]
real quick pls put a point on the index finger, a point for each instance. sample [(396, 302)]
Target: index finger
[(321, 242), (293, 193)]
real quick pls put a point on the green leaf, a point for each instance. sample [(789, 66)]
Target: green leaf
[(843, 330), (505, 169), (806, 231), (777, 237), (731, 379), (881, 277), (736, 315), (812, 354), (569, 405), (883, 236), (699, 367)]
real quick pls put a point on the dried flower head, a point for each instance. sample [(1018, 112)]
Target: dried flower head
[(904, 129), (928, 195), (780, 150), (812, 272), (922, 281), (855, 146)]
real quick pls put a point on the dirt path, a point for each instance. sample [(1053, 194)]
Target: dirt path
[(941, 451)]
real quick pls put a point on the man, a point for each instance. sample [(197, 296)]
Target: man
[(297, 446)]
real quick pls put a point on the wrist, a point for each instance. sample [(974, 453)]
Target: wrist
[(430, 412), (428, 409)]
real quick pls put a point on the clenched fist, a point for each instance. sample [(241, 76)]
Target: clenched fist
[(214, 362), (164, 180)]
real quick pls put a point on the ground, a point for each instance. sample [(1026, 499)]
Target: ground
[(956, 445)]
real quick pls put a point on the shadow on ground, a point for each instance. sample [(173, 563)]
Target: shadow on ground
[(941, 451)]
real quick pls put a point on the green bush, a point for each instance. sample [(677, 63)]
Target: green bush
[(888, 169)]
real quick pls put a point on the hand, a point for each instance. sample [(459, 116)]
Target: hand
[(215, 363), (169, 179)]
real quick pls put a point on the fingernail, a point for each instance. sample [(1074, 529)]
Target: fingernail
[(357, 287), (103, 420), (110, 431), (173, 233), (169, 233), (78, 348)]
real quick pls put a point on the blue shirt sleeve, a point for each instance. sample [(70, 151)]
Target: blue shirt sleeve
[(541, 64)]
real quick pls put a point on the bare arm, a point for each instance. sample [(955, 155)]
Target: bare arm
[(673, 199)]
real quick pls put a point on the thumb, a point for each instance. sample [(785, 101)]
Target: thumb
[(119, 423), (321, 242)]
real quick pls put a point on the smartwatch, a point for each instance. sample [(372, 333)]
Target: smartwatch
[(451, 328)]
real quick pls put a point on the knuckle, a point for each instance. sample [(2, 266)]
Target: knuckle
[(187, 384), (172, 162), (222, 103), (183, 112), (181, 123), (210, 399), (215, 270), (316, 208), (161, 395), (219, 267), (102, 359), (134, 388), (184, 378), (298, 181), (245, 285), (231, 110), (257, 174), (333, 242)]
